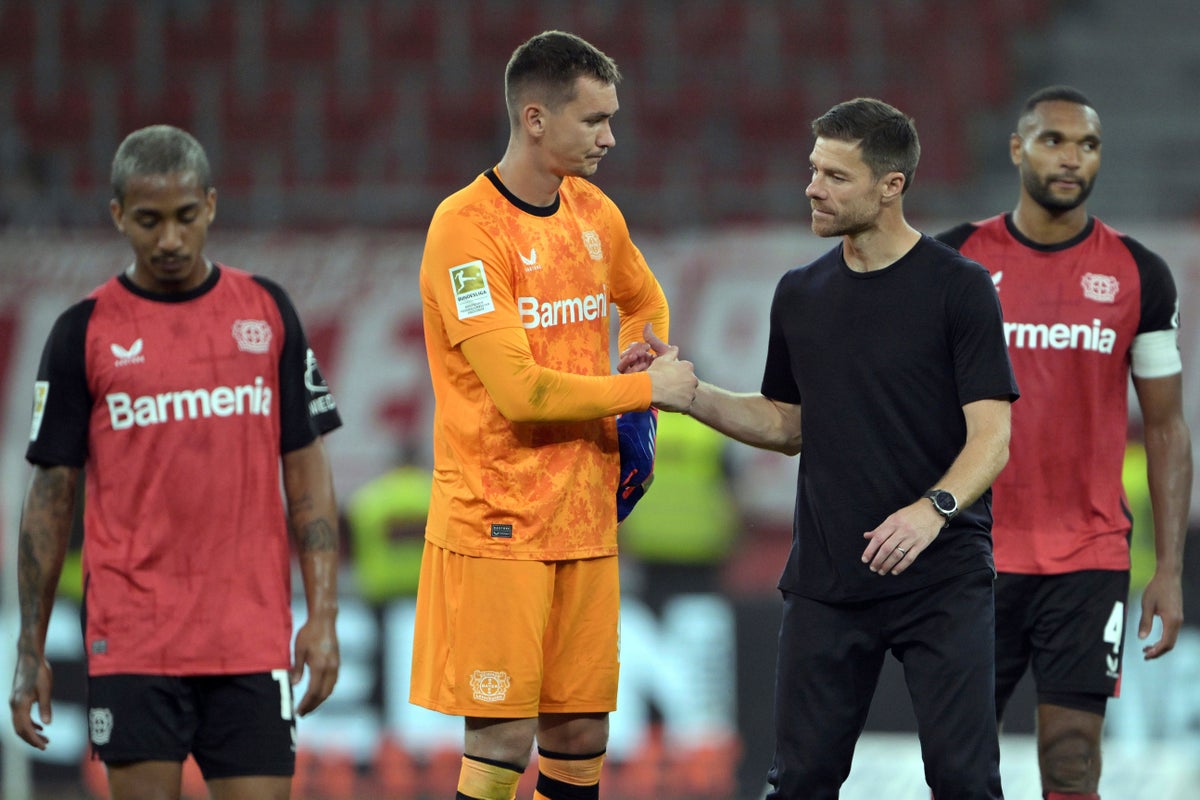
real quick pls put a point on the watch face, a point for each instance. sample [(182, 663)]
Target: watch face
[(945, 502)]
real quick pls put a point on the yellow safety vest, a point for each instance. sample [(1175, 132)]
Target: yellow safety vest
[(387, 532)]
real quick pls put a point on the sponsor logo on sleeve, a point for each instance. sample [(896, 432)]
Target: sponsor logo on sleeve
[(471, 293), (320, 400), (41, 390)]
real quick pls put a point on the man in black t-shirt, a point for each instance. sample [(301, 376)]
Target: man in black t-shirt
[(892, 345)]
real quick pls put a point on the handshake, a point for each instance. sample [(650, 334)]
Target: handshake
[(674, 382), (674, 389)]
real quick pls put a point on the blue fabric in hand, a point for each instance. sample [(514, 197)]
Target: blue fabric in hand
[(636, 434)]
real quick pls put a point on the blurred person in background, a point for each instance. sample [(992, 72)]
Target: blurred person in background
[(886, 370), (1085, 307), (518, 601), (181, 388), (385, 519)]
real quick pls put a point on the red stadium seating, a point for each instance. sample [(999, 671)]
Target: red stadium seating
[(718, 93)]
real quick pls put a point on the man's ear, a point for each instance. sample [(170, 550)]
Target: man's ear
[(893, 185), (114, 208), (533, 119), (1015, 145)]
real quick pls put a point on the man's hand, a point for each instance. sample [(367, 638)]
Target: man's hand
[(674, 382), (1162, 598), (317, 647), (31, 684), (895, 544), (635, 358)]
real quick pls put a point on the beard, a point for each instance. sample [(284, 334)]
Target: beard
[(848, 222), (1039, 190)]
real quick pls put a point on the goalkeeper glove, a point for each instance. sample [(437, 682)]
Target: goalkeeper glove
[(636, 434)]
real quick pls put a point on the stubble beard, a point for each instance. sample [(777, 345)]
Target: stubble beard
[(1039, 189)]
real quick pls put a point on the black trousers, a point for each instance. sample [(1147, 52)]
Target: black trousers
[(830, 657)]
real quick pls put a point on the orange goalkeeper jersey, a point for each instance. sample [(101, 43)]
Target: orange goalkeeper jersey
[(539, 287)]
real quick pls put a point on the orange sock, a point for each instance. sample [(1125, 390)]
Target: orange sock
[(485, 779), (563, 776)]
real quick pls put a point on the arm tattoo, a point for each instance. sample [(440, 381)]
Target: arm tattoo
[(45, 525), (316, 536)]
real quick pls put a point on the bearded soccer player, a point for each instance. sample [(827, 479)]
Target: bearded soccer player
[(517, 603), (1084, 306), (179, 387)]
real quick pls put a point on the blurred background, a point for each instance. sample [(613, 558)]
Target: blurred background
[(335, 128)]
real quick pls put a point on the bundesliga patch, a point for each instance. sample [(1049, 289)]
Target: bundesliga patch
[(40, 391), (471, 293)]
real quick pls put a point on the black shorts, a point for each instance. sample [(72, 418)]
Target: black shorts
[(234, 725), (1070, 627)]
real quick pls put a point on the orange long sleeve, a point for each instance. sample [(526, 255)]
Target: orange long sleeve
[(523, 391)]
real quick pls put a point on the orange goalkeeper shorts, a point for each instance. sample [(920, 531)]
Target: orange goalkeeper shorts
[(514, 639)]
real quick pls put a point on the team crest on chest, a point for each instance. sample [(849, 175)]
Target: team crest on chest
[(591, 240), (252, 335), (1101, 288)]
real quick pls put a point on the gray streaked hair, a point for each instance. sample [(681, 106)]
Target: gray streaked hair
[(158, 150)]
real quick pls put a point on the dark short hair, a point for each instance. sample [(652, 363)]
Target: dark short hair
[(158, 150), (551, 62), (1049, 94), (1068, 94), (887, 136)]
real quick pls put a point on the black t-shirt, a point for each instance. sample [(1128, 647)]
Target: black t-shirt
[(882, 363)]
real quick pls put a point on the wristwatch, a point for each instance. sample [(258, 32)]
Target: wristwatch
[(944, 502)]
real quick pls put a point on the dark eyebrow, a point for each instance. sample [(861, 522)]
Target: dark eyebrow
[(153, 212), (1057, 134)]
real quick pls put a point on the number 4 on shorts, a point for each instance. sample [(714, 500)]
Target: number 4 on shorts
[(1114, 629)]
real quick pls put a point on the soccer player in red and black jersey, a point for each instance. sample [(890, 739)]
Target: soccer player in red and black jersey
[(1084, 307), (181, 388)]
